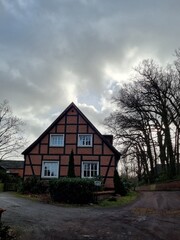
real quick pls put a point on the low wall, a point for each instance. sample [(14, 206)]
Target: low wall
[(168, 186), (102, 195)]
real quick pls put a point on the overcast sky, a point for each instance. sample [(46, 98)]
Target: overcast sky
[(53, 52)]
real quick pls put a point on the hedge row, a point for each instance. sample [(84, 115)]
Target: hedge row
[(72, 190), (67, 190), (34, 185)]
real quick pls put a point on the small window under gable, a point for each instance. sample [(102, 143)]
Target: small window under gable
[(56, 140), (50, 169), (85, 140)]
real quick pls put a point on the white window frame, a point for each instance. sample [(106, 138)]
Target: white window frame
[(90, 165), (56, 145), (84, 145), (43, 175)]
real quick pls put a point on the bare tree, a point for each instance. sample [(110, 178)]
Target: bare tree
[(148, 119), (11, 133)]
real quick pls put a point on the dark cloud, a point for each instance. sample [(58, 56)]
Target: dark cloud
[(55, 52)]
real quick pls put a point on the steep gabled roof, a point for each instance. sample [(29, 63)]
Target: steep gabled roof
[(27, 150)]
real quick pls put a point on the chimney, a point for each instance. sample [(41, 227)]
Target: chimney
[(109, 138)]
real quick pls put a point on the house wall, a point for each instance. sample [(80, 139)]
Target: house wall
[(71, 125), (18, 171)]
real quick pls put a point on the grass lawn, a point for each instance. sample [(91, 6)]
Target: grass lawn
[(120, 201), (115, 202)]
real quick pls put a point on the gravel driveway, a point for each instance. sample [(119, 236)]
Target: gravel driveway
[(155, 215)]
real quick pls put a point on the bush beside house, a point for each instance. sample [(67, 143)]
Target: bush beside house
[(119, 185), (34, 185), (9, 181), (66, 190)]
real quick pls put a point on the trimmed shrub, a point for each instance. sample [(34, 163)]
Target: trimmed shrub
[(118, 185), (128, 185), (10, 181), (34, 185), (71, 172), (72, 190), (8, 177)]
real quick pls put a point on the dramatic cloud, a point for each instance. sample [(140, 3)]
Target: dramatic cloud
[(56, 52)]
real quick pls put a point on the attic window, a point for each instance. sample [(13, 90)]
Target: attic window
[(56, 140), (85, 140)]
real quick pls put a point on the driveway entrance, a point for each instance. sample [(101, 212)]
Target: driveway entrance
[(154, 216)]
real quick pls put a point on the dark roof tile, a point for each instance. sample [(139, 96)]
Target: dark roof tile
[(8, 164)]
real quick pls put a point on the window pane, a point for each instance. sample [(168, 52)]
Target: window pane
[(85, 140), (50, 169), (82, 140), (53, 169), (57, 140), (86, 170), (93, 170), (90, 169), (45, 171)]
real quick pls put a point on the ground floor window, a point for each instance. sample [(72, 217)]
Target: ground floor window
[(50, 169), (90, 169)]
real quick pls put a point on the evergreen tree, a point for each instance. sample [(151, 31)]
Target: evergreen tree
[(118, 184), (71, 172)]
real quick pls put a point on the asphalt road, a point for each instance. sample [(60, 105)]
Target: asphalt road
[(154, 216)]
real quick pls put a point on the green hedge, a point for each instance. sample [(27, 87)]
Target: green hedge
[(10, 181), (34, 185), (72, 190), (119, 184)]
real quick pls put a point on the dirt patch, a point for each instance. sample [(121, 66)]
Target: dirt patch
[(168, 186), (150, 211)]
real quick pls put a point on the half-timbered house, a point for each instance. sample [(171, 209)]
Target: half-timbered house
[(94, 154)]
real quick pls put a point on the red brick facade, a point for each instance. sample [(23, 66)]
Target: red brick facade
[(70, 124)]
